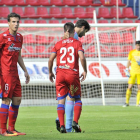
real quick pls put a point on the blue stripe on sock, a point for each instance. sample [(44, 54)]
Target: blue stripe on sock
[(78, 101), (4, 112), (12, 111), (15, 106), (5, 106), (60, 105)]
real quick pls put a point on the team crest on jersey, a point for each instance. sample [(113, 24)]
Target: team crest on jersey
[(19, 39), (9, 39), (73, 90), (12, 48)]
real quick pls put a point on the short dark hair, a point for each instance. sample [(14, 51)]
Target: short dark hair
[(69, 26), (138, 42), (81, 23), (12, 15)]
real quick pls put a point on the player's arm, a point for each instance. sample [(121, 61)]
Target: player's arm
[(22, 65), (50, 65), (127, 68), (84, 65)]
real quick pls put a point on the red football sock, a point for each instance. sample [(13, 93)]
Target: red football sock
[(61, 112), (77, 110), (13, 112), (3, 117)]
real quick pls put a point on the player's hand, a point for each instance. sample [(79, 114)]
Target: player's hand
[(66, 35), (127, 73), (51, 77), (83, 76), (138, 63), (27, 77)]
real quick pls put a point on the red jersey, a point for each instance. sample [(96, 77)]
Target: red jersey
[(67, 54), (10, 46)]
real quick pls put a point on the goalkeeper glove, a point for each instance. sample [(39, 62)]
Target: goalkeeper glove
[(0, 95), (127, 72), (138, 63)]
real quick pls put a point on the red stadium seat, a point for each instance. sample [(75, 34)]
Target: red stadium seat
[(4, 12), (102, 21), (119, 2), (41, 21), (19, 11), (116, 38), (29, 21), (44, 2), (1, 3), (30, 12), (128, 13), (128, 21), (69, 2), (29, 51), (65, 21), (67, 12), (90, 21), (55, 12), (42, 12), (82, 2), (89, 12), (128, 38), (90, 51), (115, 21), (56, 2), (8, 2), (3, 21), (104, 38), (40, 51), (79, 12), (116, 51), (137, 21), (103, 12), (113, 12), (32, 2), (93, 4), (28, 39), (106, 3), (126, 50), (20, 2), (41, 39), (54, 21), (105, 52)]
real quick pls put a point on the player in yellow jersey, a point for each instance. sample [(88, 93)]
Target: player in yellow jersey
[(134, 75)]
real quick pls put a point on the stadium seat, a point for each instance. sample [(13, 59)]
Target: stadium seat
[(42, 12), (3, 21), (102, 21), (30, 12), (54, 21), (41, 21), (55, 12), (8, 2), (19, 11), (41, 39), (113, 12), (116, 38), (29, 21), (4, 11), (44, 2), (82, 2), (1, 3), (66, 12), (103, 12), (105, 52), (56, 2), (32, 2), (79, 12), (115, 21), (106, 3), (29, 51), (20, 2), (40, 51), (128, 21), (89, 12), (90, 51), (137, 21), (94, 4), (128, 38), (119, 2), (65, 21), (128, 13), (126, 50), (90, 38), (116, 51), (104, 38), (28, 39), (90, 21), (69, 2)]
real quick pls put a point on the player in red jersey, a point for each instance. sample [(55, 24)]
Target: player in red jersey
[(68, 52), (11, 45)]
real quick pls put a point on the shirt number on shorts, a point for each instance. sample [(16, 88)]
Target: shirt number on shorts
[(64, 51), (6, 87)]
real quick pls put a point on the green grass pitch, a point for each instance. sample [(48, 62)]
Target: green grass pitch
[(97, 123)]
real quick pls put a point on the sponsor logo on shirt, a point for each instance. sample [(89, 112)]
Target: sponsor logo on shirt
[(4, 34), (67, 41), (12, 48), (9, 39)]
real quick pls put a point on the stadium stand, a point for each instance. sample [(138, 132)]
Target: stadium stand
[(42, 12), (103, 21), (67, 12), (8, 2), (18, 10), (41, 21), (20, 2), (103, 12), (4, 11), (32, 2)]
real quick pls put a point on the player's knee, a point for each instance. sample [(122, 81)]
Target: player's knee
[(6, 101)]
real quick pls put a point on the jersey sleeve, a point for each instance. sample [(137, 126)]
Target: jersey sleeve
[(54, 49), (80, 48), (1, 41), (130, 55)]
